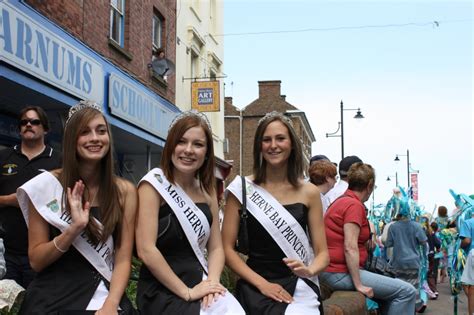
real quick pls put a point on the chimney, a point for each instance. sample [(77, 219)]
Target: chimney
[(283, 97), (269, 89), (228, 107), (228, 101)]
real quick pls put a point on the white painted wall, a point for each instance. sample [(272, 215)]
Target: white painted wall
[(197, 22)]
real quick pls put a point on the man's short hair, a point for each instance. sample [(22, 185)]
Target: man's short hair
[(41, 115)]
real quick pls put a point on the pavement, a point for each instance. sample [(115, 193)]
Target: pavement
[(444, 305)]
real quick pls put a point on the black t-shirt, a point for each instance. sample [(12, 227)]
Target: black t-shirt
[(15, 170)]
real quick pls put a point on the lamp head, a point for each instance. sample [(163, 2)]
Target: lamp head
[(396, 158), (388, 178), (359, 114)]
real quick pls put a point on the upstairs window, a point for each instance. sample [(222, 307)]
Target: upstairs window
[(157, 31), (194, 65), (117, 25)]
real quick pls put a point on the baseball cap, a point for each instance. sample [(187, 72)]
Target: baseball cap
[(320, 157), (346, 164)]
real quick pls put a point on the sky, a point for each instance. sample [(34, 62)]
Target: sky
[(408, 65)]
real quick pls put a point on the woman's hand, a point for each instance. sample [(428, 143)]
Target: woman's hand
[(106, 310), (298, 268), (209, 299), (205, 288), (275, 292), (79, 213), (367, 291)]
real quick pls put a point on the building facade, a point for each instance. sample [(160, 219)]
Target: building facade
[(246, 120), (200, 56), (55, 53)]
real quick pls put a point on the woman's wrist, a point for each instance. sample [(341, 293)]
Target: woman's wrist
[(74, 229), (186, 294), (312, 271), (58, 247), (261, 284), (112, 305), (189, 296)]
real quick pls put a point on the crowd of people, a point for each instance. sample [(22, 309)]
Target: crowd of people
[(69, 226)]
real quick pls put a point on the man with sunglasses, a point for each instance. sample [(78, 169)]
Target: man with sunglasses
[(18, 165)]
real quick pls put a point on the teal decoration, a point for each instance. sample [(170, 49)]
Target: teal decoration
[(457, 257)]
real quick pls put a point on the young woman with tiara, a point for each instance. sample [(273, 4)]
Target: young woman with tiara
[(80, 224), (178, 235), (285, 225)]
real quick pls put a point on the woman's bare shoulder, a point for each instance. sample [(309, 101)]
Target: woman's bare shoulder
[(124, 185)]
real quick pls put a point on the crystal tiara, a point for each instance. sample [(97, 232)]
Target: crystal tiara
[(82, 105), (190, 113), (273, 114)]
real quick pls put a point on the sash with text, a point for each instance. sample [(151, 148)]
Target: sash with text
[(48, 201), (277, 221), (192, 219)]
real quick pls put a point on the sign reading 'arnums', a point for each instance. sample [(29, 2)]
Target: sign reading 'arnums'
[(30, 46), (205, 96)]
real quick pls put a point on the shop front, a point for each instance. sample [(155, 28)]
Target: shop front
[(41, 64)]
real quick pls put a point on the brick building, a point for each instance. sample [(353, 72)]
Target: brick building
[(54, 53), (269, 99), (124, 32)]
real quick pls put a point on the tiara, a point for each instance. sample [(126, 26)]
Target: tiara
[(82, 105), (273, 114), (190, 113)]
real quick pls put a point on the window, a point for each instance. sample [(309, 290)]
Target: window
[(194, 65), (212, 74), (117, 10), (157, 30)]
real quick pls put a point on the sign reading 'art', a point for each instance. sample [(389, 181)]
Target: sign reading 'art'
[(205, 96)]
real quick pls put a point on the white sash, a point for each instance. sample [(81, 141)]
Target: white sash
[(192, 219), (45, 193), (277, 221)]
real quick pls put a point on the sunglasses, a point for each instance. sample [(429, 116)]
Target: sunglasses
[(33, 122)]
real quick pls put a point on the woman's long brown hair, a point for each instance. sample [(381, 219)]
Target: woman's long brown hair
[(109, 196)]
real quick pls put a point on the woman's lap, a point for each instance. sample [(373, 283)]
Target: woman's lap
[(384, 288)]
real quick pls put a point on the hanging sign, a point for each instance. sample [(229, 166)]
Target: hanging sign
[(205, 96), (414, 185)]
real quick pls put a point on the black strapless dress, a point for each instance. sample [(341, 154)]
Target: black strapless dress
[(266, 259), (66, 286), (152, 296)]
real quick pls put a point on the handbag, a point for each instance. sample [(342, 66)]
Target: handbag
[(242, 243), (378, 265)]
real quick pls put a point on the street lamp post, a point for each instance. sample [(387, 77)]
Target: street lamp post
[(408, 165), (389, 178), (341, 126)]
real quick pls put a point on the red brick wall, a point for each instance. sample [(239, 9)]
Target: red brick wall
[(89, 21)]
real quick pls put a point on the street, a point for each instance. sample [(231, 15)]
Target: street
[(444, 305)]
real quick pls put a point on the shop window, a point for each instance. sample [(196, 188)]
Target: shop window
[(157, 31), (117, 17)]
